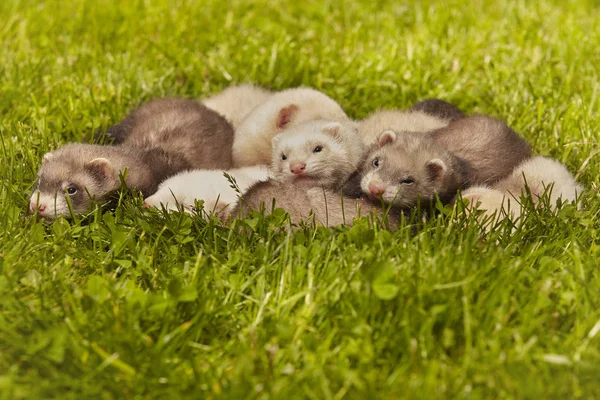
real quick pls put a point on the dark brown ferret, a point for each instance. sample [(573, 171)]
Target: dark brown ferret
[(309, 203), (164, 137)]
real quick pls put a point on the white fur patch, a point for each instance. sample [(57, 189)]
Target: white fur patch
[(208, 185), (53, 206)]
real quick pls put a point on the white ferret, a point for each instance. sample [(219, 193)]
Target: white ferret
[(321, 153), (236, 102), (252, 139), (539, 174), (209, 185)]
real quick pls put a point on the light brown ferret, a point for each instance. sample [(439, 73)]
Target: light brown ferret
[(308, 203)]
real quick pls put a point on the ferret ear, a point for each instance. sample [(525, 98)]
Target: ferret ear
[(436, 169), (286, 114), (387, 137), (47, 157), (100, 169), (333, 129)]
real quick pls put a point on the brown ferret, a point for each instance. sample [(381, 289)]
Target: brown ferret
[(488, 146), (307, 203), (405, 169), (164, 138)]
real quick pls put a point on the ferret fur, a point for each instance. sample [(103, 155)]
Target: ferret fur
[(323, 153), (184, 126), (488, 146), (252, 142), (439, 109), (93, 172), (306, 203), (539, 175), (405, 169), (236, 102), (209, 185), (374, 125)]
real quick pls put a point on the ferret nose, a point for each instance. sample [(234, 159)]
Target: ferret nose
[(147, 205), (376, 189), (33, 205), (297, 167)]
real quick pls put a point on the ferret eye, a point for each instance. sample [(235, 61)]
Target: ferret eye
[(408, 181), (71, 190), (317, 149), (283, 157), (375, 163)]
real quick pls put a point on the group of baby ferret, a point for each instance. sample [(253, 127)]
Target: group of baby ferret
[(299, 150)]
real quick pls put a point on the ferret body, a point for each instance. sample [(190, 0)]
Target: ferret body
[(305, 203), (181, 126), (405, 169), (539, 174), (236, 102), (322, 153), (488, 146), (159, 139), (374, 125), (252, 142), (88, 174), (209, 185)]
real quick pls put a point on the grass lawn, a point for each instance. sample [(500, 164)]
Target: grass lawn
[(137, 304)]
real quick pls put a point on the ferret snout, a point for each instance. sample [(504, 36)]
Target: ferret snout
[(376, 188), (297, 167), (35, 206)]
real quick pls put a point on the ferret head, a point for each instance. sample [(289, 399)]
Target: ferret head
[(403, 168), (72, 174), (323, 153), (280, 112)]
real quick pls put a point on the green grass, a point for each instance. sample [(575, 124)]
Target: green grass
[(137, 304)]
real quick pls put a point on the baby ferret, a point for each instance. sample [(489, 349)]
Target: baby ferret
[(163, 137), (307, 203), (252, 142), (236, 102), (404, 169), (212, 186), (84, 174), (322, 153), (539, 175)]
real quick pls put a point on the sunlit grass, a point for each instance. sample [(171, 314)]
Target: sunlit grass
[(137, 303)]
